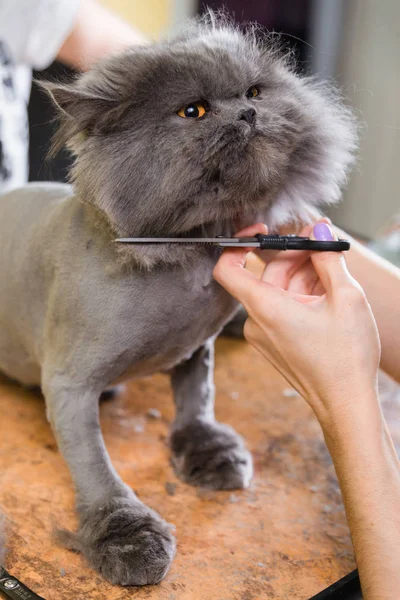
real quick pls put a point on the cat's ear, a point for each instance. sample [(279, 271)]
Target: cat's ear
[(75, 101), (86, 106)]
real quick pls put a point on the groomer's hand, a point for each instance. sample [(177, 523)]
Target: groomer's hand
[(311, 320)]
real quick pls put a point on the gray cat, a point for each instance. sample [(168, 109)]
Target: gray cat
[(198, 136)]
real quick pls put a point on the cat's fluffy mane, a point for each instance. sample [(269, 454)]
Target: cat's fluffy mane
[(323, 181), (309, 139)]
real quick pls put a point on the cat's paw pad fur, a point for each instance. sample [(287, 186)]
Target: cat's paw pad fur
[(126, 542), (211, 455)]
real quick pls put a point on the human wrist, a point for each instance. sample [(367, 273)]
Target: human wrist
[(341, 412), (363, 453)]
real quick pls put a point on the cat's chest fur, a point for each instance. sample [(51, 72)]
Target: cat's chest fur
[(83, 312), (174, 313), (144, 321)]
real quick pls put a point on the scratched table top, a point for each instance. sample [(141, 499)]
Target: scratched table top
[(284, 537)]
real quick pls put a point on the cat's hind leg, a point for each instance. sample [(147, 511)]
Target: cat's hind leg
[(205, 453)]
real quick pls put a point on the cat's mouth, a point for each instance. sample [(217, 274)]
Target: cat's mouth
[(232, 141), (230, 189)]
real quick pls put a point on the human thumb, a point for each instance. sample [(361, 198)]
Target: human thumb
[(330, 266)]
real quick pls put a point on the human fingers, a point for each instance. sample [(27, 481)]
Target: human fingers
[(330, 266), (253, 230), (256, 296), (231, 273), (280, 270), (305, 280), (230, 270), (283, 267)]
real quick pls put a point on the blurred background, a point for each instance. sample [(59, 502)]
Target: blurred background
[(354, 42)]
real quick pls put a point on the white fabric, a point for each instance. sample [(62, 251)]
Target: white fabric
[(31, 34)]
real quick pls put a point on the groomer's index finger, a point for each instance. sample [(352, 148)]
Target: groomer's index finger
[(230, 271)]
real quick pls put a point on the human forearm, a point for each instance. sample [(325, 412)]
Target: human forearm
[(97, 32), (369, 475), (381, 283), (313, 322)]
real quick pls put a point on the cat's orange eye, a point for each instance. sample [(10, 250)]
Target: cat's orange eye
[(192, 111), (252, 92)]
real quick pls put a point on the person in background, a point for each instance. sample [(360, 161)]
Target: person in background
[(311, 319), (32, 35)]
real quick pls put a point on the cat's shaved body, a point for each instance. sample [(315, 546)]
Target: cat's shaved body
[(79, 313)]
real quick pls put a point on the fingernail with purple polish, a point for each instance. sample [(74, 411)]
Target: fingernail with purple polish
[(323, 233)]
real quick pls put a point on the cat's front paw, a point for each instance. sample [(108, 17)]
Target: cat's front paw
[(211, 455), (126, 542)]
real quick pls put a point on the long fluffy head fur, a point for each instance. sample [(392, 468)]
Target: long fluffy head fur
[(151, 172)]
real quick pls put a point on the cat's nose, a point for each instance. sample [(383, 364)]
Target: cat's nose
[(248, 115)]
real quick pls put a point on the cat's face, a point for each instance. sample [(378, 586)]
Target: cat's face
[(206, 128)]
